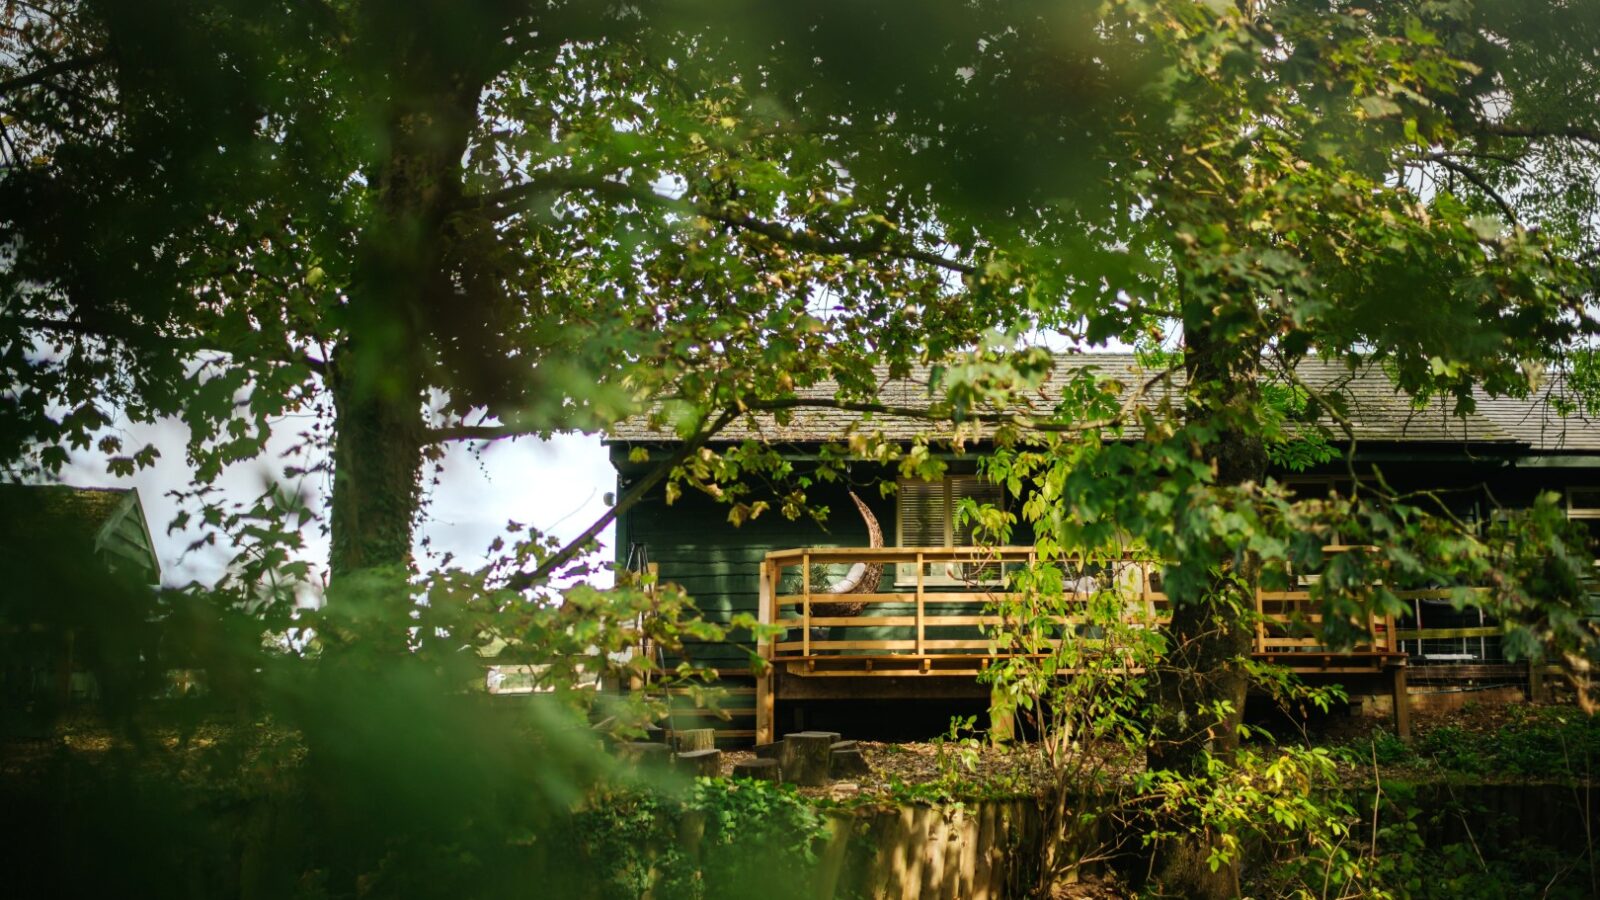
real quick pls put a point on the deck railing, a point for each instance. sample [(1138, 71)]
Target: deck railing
[(925, 594)]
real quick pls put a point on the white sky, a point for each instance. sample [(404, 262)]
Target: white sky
[(557, 486)]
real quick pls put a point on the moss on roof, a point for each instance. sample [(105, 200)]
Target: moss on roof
[(33, 512)]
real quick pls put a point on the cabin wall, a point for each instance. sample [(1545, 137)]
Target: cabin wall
[(696, 546), (125, 544), (719, 565)]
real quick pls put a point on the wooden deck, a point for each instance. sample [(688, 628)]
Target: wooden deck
[(932, 626)]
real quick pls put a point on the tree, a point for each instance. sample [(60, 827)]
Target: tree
[(423, 222), (469, 221), (1409, 188)]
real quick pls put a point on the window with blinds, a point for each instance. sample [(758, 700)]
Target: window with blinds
[(1583, 506), (926, 517)]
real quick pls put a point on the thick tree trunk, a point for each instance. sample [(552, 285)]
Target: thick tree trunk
[(425, 65), (428, 79), (377, 473), (1207, 636)]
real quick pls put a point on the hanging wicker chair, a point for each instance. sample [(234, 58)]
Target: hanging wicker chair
[(863, 578)]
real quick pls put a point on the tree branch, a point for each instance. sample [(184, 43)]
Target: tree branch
[(45, 73), (924, 413), (879, 243), (1477, 181), (524, 581), (84, 329), (1569, 132)]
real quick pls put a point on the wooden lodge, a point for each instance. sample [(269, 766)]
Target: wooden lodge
[(929, 625)]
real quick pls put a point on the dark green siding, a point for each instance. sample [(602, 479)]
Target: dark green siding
[(719, 565)]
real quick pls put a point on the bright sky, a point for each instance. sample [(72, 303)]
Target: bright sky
[(558, 486)]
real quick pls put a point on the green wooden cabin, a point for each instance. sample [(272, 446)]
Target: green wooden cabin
[(1503, 454)]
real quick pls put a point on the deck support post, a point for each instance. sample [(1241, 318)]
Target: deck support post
[(1261, 621), (1402, 702), (1002, 718), (805, 604), (766, 614), (766, 711)]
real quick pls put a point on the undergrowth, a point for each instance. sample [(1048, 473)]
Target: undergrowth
[(710, 841), (1539, 743)]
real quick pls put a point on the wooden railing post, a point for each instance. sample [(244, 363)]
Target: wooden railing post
[(766, 614), (920, 573), (805, 604)]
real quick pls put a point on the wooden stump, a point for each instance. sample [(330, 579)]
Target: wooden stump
[(701, 762), (645, 753), (694, 739), (768, 751), (804, 757), (758, 769), (842, 763), (842, 745)]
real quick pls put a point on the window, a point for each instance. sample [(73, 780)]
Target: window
[(926, 517), (1583, 506)]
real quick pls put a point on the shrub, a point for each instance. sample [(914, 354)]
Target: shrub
[(711, 841)]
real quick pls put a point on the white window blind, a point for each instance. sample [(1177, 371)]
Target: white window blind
[(1583, 503), (924, 512), (926, 518), (986, 493)]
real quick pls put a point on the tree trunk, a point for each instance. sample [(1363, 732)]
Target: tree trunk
[(377, 472), (402, 289), (803, 757), (1209, 634)]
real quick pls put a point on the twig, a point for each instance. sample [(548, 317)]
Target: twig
[(522, 582), (1377, 797), (1466, 826)]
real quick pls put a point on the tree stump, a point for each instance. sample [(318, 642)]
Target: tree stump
[(803, 758), (842, 745), (645, 753), (694, 739), (768, 751), (847, 762), (760, 769), (701, 762)]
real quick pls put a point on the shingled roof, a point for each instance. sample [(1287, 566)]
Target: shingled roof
[(1378, 411), (57, 518)]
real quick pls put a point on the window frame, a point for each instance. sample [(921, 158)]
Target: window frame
[(905, 573)]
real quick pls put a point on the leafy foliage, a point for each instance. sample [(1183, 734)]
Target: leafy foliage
[(431, 222), (738, 834)]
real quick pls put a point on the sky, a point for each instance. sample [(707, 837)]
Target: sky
[(558, 486)]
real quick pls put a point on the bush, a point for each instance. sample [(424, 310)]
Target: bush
[(714, 840), (1535, 743)]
